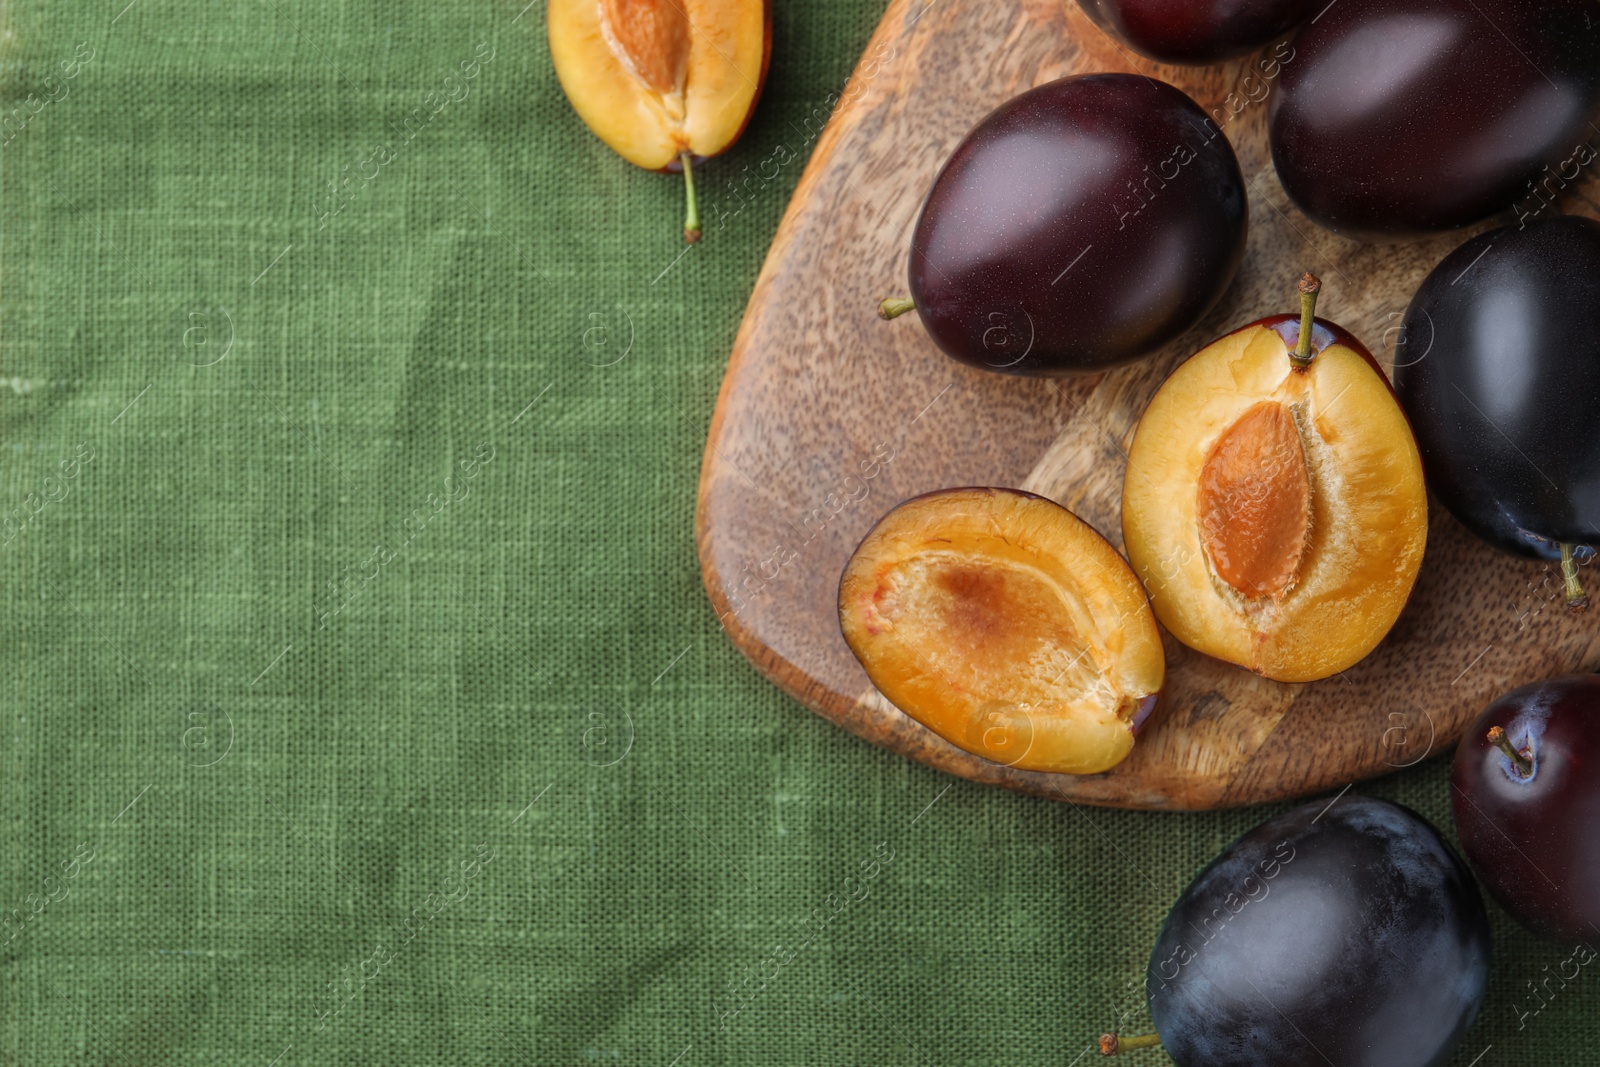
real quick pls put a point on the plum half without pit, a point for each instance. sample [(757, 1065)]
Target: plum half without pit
[(1080, 225), (1274, 503), (1006, 625)]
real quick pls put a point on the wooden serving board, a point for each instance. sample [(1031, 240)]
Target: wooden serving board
[(828, 417)]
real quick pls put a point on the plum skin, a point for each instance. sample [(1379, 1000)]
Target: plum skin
[(1342, 935), (1405, 117), (1504, 391), (1080, 225), (1197, 31), (1533, 839)]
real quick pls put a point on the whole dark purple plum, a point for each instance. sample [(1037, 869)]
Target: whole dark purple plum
[(1500, 377), (1527, 804), (1198, 31), (1335, 935), (1081, 224), (1400, 117)]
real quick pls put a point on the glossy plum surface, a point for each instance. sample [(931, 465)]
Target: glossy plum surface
[(1400, 117), (1330, 936), (1500, 376), (1081, 224), (1534, 838), (1198, 31)]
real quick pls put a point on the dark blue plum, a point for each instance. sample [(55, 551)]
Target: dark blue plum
[(1340, 936), (1500, 377)]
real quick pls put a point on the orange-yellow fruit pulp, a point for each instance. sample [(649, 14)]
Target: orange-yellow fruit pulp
[(1277, 516), (655, 79), (1006, 625)]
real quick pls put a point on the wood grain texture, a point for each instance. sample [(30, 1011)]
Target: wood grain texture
[(828, 417)]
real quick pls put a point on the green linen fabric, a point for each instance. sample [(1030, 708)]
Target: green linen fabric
[(362, 704)]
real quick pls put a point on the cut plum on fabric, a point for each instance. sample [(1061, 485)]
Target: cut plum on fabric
[(1006, 625), (664, 83), (1276, 512)]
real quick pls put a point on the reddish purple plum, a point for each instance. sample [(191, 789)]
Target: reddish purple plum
[(1080, 225), (1526, 790), (1198, 31), (1402, 117)]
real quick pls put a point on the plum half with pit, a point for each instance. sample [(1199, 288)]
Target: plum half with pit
[(666, 84), (1006, 625), (1080, 225), (1274, 503)]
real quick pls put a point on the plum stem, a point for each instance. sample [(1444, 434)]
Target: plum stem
[(691, 219), (892, 307), (1111, 1044), (1521, 760), (1309, 287), (1577, 599)]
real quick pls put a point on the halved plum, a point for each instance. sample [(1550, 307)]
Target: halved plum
[(665, 83), (1274, 505), (1006, 625)]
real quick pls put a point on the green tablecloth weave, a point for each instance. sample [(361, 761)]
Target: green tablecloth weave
[(362, 704)]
